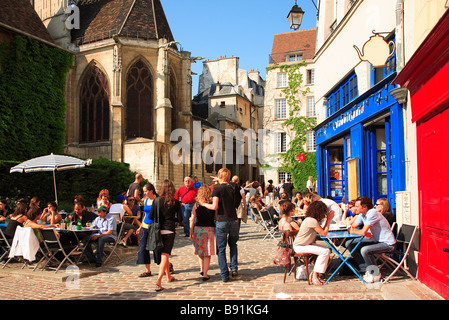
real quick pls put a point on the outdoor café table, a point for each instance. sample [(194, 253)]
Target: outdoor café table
[(331, 237), (79, 234)]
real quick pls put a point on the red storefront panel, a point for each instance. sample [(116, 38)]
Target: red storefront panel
[(426, 76)]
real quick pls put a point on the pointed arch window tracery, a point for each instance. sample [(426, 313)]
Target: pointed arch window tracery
[(94, 106), (140, 102)]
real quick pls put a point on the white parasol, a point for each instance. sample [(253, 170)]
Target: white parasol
[(52, 162)]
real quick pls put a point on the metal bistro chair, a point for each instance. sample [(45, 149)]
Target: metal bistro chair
[(396, 259), (268, 225), (54, 246), (112, 246)]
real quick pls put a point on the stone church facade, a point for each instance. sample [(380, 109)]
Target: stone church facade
[(129, 87)]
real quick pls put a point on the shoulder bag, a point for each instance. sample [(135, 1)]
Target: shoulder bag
[(154, 241)]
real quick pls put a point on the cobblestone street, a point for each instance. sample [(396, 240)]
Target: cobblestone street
[(259, 279)]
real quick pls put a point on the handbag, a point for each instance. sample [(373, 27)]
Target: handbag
[(154, 241), (283, 255)]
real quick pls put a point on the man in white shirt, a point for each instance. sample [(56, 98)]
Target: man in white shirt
[(331, 205), (378, 236)]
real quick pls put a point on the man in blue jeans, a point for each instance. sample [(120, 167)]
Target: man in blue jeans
[(227, 226), (378, 236), (107, 232)]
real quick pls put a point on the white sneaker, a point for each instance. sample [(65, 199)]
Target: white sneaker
[(371, 278)]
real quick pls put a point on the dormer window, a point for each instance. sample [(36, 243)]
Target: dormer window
[(295, 57)]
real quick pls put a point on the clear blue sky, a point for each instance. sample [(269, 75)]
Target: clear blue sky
[(240, 28)]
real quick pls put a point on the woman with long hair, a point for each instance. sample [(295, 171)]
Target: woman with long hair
[(305, 240), (143, 255), (103, 199), (383, 206), (167, 208), (17, 218), (202, 230)]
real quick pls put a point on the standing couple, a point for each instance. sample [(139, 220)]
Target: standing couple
[(227, 225)]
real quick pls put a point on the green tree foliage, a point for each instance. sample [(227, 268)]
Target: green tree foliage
[(32, 104)]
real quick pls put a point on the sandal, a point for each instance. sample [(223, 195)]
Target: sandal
[(316, 280), (159, 288), (145, 274), (172, 279)]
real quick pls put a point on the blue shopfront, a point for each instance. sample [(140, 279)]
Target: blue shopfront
[(360, 146)]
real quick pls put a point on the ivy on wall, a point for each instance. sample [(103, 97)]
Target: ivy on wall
[(300, 125), (32, 104)]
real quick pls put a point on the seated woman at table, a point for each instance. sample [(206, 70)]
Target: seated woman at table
[(17, 218), (287, 223), (305, 240), (50, 214), (103, 199), (33, 215), (4, 210), (256, 202)]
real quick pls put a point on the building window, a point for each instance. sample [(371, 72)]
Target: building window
[(311, 106), (281, 109), (281, 142), (345, 92), (94, 107), (310, 141), (295, 57), (139, 102), (381, 73), (284, 176), (282, 80), (310, 76)]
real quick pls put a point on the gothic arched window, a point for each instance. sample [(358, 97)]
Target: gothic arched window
[(139, 102), (94, 102)]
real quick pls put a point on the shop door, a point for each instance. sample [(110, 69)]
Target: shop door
[(433, 186), (380, 178)]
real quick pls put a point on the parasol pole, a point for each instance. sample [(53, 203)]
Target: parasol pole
[(54, 183)]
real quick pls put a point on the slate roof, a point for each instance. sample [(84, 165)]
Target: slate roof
[(293, 42), (20, 14), (102, 19)]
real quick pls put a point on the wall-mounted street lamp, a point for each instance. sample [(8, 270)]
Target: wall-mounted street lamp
[(295, 16)]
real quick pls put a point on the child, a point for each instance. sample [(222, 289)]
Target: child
[(203, 235), (286, 223), (305, 240)]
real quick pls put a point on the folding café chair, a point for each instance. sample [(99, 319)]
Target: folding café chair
[(268, 225), (4, 245), (258, 221), (54, 246), (112, 246), (397, 258)]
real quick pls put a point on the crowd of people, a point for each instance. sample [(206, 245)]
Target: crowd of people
[(211, 216)]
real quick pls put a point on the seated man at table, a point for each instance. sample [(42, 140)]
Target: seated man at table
[(107, 232), (80, 212), (378, 236)]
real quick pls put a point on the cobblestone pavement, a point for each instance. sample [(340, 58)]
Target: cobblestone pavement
[(258, 279)]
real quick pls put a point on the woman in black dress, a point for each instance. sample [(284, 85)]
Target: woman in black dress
[(169, 208)]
